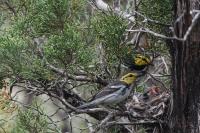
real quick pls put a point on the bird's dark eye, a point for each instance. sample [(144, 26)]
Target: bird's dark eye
[(145, 60), (131, 76)]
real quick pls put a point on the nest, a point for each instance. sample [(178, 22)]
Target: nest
[(150, 104)]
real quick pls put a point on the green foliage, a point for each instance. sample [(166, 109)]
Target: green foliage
[(2, 18), (60, 23), (68, 48), (161, 11), (19, 60), (49, 16), (11, 53), (141, 130), (109, 30), (114, 130), (29, 121), (157, 10), (140, 88), (69, 43)]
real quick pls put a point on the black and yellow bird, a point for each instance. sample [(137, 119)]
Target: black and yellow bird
[(137, 62), (114, 92)]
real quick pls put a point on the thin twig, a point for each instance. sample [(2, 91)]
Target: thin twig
[(150, 20), (194, 22), (185, 37), (164, 62), (140, 122), (101, 5), (104, 121)]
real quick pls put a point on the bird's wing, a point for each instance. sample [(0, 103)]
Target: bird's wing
[(109, 89), (105, 93)]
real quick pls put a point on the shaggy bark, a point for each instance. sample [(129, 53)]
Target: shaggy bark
[(186, 69)]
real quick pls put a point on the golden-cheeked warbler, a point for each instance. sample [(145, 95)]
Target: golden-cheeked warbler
[(137, 62), (114, 92)]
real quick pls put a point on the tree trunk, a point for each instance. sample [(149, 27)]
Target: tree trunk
[(185, 70)]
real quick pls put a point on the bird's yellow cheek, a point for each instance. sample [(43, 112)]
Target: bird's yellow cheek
[(139, 62), (130, 80)]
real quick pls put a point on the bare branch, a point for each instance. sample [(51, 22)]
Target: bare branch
[(163, 85), (164, 62), (185, 37), (194, 22), (150, 20), (139, 122), (104, 121), (145, 30), (62, 72), (100, 4), (87, 79)]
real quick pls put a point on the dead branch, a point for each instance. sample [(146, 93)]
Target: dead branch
[(185, 37), (101, 5)]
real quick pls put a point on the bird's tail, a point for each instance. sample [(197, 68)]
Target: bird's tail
[(88, 105)]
